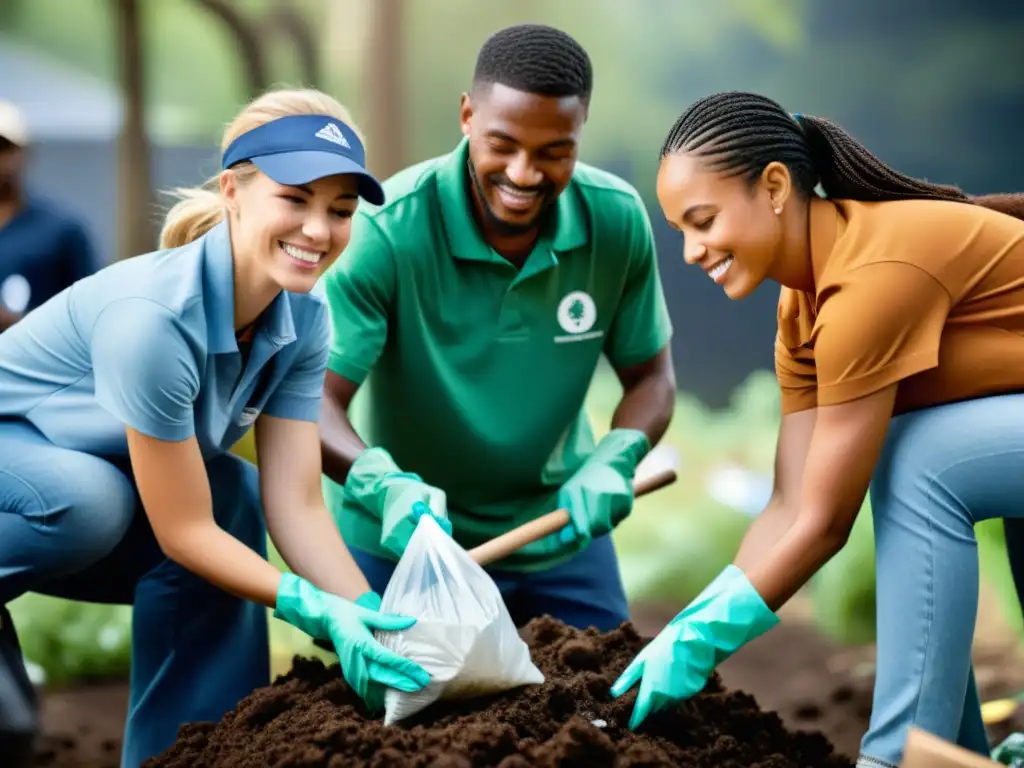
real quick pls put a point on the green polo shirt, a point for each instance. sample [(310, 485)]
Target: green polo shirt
[(475, 373)]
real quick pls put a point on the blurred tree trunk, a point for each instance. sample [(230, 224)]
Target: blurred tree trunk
[(9, 10), (287, 20), (135, 188), (383, 80), (248, 40)]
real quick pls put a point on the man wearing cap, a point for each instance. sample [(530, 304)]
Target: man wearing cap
[(475, 306), (42, 249)]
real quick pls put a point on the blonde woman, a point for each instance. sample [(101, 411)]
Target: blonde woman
[(121, 397)]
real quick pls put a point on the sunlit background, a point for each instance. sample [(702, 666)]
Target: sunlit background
[(127, 98)]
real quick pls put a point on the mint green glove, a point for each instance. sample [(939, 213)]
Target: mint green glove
[(399, 499), (366, 665), (599, 495), (678, 662), (1011, 751)]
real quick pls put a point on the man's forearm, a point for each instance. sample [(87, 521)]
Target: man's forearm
[(647, 405), (339, 443)]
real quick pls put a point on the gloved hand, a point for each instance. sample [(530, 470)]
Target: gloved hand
[(599, 495), (398, 498), (366, 665), (1011, 751), (677, 664)]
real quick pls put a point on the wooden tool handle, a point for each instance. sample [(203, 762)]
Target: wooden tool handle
[(508, 542)]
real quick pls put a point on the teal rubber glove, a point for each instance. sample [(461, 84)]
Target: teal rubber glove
[(398, 499), (366, 665), (599, 495), (1011, 751), (728, 614)]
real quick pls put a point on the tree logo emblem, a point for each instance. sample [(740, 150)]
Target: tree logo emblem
[(577, 312)]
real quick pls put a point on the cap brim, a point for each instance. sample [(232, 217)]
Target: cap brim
[(294, 168)]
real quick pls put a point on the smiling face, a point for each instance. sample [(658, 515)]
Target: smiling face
[(730, 227), (289, 236), (523, 149)]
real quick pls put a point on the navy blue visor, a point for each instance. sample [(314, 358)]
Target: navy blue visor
[(299, 149)]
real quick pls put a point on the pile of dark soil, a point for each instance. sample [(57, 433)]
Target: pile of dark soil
[(309, 718)]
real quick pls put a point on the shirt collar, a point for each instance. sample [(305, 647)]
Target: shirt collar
[(219, 298), (567, 230), (826, 227)]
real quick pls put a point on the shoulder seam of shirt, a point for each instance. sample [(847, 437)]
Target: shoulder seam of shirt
[(630, 192), (906, 264), (147, 299), (387, 241), (429, 176)]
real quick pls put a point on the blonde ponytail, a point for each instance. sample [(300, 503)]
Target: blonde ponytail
[(200, 209)]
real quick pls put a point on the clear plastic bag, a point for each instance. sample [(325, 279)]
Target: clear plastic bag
[(464, 636)]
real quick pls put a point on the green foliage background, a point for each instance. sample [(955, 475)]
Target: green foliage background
[(915, 80)]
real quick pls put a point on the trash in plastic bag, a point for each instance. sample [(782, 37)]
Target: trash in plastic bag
[(463, 636)]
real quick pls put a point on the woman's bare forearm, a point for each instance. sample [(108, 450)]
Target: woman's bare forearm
[(218, 557), (309, 541), (764, 534)]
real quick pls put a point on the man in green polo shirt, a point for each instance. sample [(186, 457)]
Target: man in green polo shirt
[(475, 304)]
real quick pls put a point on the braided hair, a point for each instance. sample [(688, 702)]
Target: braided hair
[(537, 59), (741, 133)]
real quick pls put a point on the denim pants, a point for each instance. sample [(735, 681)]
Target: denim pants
[(584, 591), (72, 526), (942, 470)]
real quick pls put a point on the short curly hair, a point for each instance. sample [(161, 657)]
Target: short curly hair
[(535, 58)]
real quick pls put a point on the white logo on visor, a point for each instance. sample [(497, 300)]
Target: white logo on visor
[(333, 133)]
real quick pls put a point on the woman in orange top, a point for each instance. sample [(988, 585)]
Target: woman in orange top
[(900, 356)]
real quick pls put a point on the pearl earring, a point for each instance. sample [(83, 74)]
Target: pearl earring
[(778, 211)]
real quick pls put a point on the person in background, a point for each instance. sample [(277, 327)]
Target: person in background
[(121, 398), (475, 305), (900, 357), (42, 249)]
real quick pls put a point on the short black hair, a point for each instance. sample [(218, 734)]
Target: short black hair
[(535, 58), (741, 133)]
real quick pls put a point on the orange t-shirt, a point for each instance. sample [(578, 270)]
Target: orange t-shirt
[(926, 293)]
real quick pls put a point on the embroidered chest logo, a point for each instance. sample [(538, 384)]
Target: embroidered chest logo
[(576, 315)]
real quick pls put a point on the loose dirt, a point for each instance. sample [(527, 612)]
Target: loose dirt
[(310, 718), (795, 671)]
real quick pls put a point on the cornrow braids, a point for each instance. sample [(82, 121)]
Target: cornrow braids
[(741, 133), (848, 170), (537, 59)]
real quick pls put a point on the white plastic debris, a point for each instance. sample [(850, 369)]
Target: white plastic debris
[(463, 636)]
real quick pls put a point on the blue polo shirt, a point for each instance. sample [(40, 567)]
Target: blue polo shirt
[(47, 249), (149, 342)]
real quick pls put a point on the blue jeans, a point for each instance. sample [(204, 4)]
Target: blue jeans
[(72, 526), (942, 470), (584, 591)]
